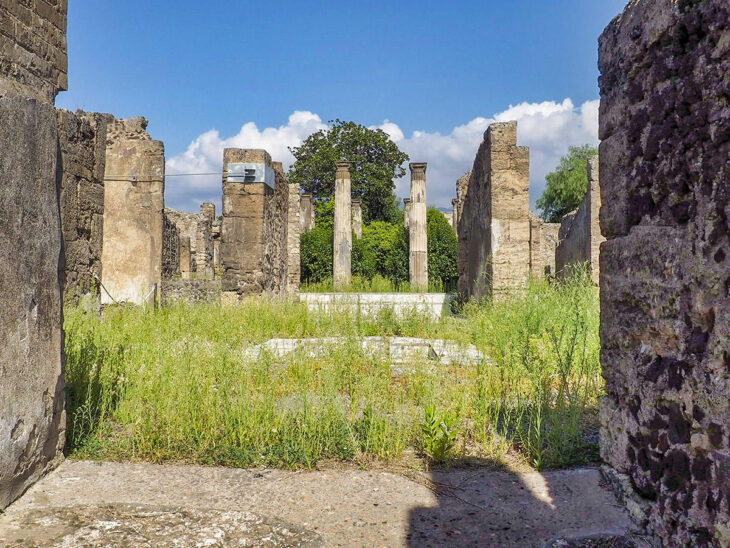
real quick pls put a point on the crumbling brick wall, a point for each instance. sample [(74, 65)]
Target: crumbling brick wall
[(170, 248), (199, 228), (82, 158), (33, 57), (494, 229), (580, 233), (665, 269)]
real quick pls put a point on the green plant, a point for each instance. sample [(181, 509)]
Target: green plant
[(376, 162), (316, 254), (439, 433), (443, 251)]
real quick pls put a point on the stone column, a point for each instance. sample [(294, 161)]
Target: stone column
[(185, 257), (455, 214), (208, 209), (418, 256), (307, 213), (406, 211), (357, 217), (342, 256), (204, 245)]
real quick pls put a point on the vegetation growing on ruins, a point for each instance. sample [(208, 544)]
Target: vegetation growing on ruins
[(376, 160), (176, 384), (566, 186), (380, 256)]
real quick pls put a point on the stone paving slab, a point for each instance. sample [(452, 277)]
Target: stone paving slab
[(470, 507)]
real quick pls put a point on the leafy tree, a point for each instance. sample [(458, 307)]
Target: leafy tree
[(376, 162), (385, 247), (316, 254), (443, 249), (566, 186)]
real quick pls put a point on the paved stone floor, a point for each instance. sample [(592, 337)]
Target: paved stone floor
[(122, 504)]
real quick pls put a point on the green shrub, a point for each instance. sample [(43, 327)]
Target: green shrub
[(316, 254), (385, 251), (443, 251)]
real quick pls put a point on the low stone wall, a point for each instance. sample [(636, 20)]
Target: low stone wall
[(190, 291), (433, 305), (543, 244), (82, 157)]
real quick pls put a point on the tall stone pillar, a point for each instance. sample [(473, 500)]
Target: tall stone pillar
[(418, 255), (357, 217), (208, 209), (134, 203), (342, 256), (307, 213), (455, 214), (248, 187), (406, 211), (494, 224), (595, 239)]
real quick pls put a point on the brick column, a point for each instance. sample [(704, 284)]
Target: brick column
[(342, 257), (418, 256)]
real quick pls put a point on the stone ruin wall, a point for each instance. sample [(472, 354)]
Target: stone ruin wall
[(665, 269), (133, 213), (32, 397), (580, 234), (170, 247), (543, 243), (259, 239), (33, 56), (199, 228), (82, 157), (494, 228)]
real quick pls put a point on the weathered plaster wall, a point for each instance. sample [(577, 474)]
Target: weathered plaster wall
[(134, 189), (33, 57), (665, 269), (494, 229), (82, 158), (32, 416)]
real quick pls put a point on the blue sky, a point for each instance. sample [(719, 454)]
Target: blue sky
[(433, 74)]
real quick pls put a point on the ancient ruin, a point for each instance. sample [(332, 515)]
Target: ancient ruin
[(357, 217), (665, 307), (342, 257), (33, 67), (307, 213), (494, 226), (418, 235), (198, 229), (82, 160), (406, 211), (259, 246), (134, 201), (580, 233), (544, 238)]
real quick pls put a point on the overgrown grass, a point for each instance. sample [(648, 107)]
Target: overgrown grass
[(174, 384)]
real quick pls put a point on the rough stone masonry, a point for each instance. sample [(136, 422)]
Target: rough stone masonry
[(494, 223), (665, 269), (33, 69)]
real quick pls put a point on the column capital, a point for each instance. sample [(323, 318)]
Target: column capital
[(356, 201), (406, 200), (418, 167), (343, 167)]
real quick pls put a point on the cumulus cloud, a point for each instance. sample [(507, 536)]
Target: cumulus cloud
[(548, 128)]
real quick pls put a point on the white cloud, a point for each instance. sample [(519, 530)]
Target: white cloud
[(548, 128)]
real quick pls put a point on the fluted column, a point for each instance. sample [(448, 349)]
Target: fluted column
[(418, 257), (342, 256), (357, 217), (406, 211)]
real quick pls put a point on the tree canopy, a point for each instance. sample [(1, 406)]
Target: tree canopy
[(567, 185), (376, 160)]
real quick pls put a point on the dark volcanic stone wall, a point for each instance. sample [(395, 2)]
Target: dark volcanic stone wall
[(170, 247), (82, 147), (665, 269)]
